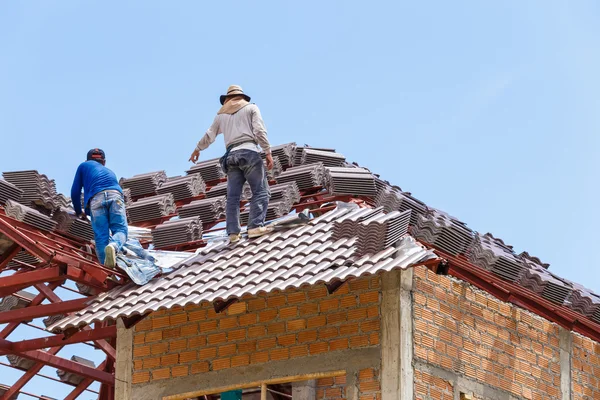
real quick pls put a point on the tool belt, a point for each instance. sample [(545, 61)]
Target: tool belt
[(223, 160)]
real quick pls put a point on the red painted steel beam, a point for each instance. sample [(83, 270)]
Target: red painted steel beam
[(12, 283), (57, 340), (28, 244), (66, 365), (26, 377), (44, 310), (8, 329)]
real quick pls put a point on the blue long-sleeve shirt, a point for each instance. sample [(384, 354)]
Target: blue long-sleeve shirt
[(94, 178)]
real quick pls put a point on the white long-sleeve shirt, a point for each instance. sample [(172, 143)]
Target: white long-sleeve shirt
[(246, 124)]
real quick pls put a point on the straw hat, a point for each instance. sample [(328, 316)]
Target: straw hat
[(234, 90)]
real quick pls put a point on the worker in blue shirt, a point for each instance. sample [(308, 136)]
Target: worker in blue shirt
[(104, 202)]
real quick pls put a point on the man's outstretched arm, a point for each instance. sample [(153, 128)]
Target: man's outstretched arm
[(208, 138)]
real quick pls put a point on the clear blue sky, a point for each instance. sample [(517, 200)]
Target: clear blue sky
[(487, 110)]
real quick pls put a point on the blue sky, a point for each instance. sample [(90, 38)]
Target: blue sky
[(487, 110)]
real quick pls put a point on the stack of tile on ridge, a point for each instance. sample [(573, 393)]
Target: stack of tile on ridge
[(68, 222), (306, 176), (300, 150), (217, 190), (537, 279), (392, 198), (150, 208), (209, 210), (328, 158), (287, 192), (350, 181), (12, 302), (176, 232), (275, 209), (375, 229), (584, 301), (37, 188), (19, 362), (71, 377), (285, 153), (144, 184), (493, 255), (209, 170), (443, 232), (183, 187), (8, 191), (28, 215)]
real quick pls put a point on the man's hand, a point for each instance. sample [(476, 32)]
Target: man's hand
[(269, 161), (195, 155), (83, 216)]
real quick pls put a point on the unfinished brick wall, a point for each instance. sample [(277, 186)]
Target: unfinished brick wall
[(429, 387), (464, 330), (281, 326), (585, 368)]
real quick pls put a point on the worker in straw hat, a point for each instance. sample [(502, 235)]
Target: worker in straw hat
[(244, 131)]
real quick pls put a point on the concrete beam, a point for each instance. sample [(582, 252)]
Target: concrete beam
[(397, 375), (566, 347), (124, 363), (352, 360)]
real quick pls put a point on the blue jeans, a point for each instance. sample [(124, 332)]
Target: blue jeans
[(246, 165), (108, 216)]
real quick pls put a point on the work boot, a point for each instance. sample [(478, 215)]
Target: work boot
[(110, 256), (235, 237), (257, 232)]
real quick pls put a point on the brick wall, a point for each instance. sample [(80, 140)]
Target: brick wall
[(368, 386), (429, 387), (281, 326), (585, 371), (464, 330)]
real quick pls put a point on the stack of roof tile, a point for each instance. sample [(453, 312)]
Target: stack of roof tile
[(37, 188), (300, 150), (144, 184), (285, 153), (275, 209), (217, 190), (209, 210), (341, 181), (51, 320), (60, 200), (392, 198), (583, 301), (8, 191), (328, 158), (126, 196), (443, 232), (68, 222), (71, 377), (493, 255), (183, 187), (287, 192), (209, 170), (12, 302), (150, 208), (28, 215), (551, 287), (177, 231), (306, 176), (23, 257), (272, 174), (375, 229), (21, 363)]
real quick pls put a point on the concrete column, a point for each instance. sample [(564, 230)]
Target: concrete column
[(397, 375), (566, 347), (124, 362), (305, 390)]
